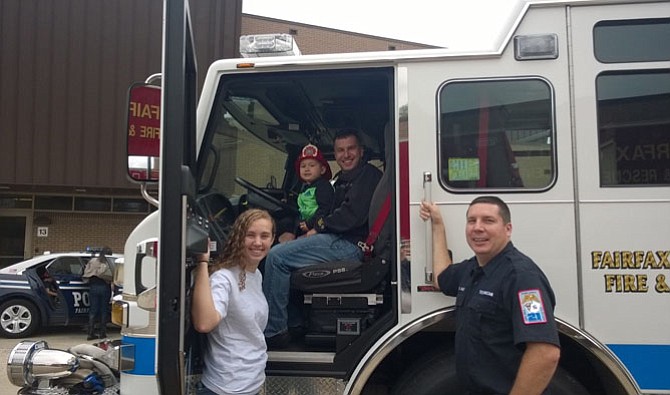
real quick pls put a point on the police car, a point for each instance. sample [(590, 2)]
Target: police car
[(44, 291)]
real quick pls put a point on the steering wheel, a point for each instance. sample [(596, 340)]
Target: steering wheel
[(264, 195), (219, 212)]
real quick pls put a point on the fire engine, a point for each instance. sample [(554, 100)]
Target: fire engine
[(565, 117)]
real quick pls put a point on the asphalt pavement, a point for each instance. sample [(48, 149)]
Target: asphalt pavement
[(57, 338)]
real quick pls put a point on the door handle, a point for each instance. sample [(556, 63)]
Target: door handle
[(427, 196)]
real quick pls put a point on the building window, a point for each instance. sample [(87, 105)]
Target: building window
[(16, 201), (82, 203), (391, 47), (61, 203), (293, 32), (633, 127), (496, 135), (128, 205)]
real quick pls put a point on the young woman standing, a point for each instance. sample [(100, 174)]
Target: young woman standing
[(229, 305)]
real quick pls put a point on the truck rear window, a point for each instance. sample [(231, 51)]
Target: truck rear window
[(632, 40), (634, 127)]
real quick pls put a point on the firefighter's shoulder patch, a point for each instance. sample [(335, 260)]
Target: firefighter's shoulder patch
[(532, 307)]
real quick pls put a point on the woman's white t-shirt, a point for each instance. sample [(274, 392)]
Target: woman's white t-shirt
[(236, 351)]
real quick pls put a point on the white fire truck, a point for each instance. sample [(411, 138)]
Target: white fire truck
[(566, 117)]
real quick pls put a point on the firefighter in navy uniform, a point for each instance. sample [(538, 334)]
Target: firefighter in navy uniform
[(506, 336)]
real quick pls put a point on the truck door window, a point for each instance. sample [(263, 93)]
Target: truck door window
[(496, 134), (634, 127)]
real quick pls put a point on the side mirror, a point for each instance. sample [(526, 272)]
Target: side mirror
[(143, 132)]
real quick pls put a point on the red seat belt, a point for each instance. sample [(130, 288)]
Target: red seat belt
[(368, 246)]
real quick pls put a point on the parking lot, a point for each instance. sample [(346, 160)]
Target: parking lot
[(58, 338)]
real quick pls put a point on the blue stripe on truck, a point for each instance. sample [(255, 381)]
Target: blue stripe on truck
[(647, 363), (145, 354)]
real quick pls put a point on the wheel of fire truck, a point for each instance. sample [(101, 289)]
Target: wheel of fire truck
[(436, 374), (18, 319)]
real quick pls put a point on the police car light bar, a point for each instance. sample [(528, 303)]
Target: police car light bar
[(257, 45)]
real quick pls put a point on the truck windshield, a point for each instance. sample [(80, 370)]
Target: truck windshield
[(237, 152)]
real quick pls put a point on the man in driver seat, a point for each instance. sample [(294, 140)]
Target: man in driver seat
[(335, 236)]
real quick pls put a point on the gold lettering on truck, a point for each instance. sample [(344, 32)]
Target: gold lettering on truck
[(632, 260)]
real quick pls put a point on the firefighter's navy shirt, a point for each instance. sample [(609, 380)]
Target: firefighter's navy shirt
[(500, 307)]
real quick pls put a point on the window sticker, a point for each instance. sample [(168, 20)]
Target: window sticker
[(463, 169)]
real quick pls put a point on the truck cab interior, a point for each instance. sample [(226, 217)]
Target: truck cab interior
[(258, 125)]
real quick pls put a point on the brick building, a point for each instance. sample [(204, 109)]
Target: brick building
[(320, 40), (65, 71)]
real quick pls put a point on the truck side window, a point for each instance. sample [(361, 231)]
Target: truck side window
[(496, 134), (634, 127), (632, 40)]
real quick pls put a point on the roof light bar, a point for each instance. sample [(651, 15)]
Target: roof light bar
[(257, 45)]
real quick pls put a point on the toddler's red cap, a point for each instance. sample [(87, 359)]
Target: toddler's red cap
[(310, 151)]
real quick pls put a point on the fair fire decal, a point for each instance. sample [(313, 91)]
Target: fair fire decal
[(624, 270)]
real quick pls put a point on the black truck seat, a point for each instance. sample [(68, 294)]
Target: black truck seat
[(343, 298)]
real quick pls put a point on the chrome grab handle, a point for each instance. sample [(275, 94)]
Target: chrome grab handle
[(427, 196)]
